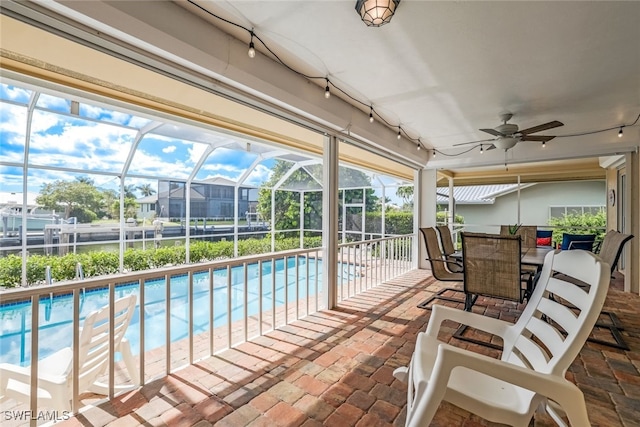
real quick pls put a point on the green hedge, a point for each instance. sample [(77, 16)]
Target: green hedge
[(396, 222), (103, 263), (587, 223)]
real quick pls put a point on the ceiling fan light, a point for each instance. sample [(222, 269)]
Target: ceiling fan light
[(376, 13), (505, 143), (620, 133)]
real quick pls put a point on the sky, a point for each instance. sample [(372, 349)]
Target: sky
[(96, 143)]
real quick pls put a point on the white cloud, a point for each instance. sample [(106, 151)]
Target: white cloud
[(196, 151), (169, 149), (15, 93), (259, 175)]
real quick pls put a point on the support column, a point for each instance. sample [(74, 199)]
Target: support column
[(424, 205), (451, 214), (632, 223), (301, 213), (330, 220)]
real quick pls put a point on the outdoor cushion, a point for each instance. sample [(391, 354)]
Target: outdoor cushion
[(544, 233), (543, 241), (580, 241)]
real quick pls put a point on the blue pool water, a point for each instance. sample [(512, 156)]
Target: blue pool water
[(56, 313)]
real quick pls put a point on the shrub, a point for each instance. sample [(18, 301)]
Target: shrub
[(105, 263), (10, 271), (587, 223)]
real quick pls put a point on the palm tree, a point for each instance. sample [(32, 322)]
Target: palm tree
[(406, 193), (129, 191), (146, 190), (84, 180)]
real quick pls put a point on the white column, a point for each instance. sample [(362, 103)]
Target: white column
[(330, 220), (451, 213), (424, 205), (301, 213)]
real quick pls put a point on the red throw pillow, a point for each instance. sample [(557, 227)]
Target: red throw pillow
[(543, 241)]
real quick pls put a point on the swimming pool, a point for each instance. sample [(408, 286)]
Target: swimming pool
[(56, 314)]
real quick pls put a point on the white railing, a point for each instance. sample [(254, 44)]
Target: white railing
[(216, 304), (365, 264)]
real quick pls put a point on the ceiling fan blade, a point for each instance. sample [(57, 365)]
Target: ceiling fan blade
[(473, 142), (539, 138), (493, 132), (545, 126), (491, 147)]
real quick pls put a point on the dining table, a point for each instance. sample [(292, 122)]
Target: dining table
[(535, 256), (530, 256)]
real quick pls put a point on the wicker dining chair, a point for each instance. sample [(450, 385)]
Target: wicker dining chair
[(492, 267), (448, 249), (611, 247), (529, 237), (610, 251), (528, 233), (440, 268)]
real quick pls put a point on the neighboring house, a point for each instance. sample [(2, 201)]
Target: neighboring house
[(147, 207), (213, 199), (486, 207)]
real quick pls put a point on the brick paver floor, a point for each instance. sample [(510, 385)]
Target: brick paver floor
[(334, 368)]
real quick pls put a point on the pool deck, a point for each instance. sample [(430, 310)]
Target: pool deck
[(334, 368)]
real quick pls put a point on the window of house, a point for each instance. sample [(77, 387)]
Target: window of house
[(561, 211)]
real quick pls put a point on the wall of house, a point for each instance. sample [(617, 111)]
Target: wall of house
[(146, 210), (535, 204)]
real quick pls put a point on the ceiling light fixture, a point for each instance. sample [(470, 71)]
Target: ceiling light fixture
[(376, 13), (620, 132), (481, 149), (419, 144), (505, 143), (327, 92), (252, 48), (544, 144), (371, 114), (399, 132)]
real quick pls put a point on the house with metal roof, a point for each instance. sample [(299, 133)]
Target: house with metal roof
[(485, 207)]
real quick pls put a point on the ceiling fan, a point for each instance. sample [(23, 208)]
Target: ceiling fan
[(508, 134)]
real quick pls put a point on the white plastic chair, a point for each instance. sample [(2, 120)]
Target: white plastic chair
[(537, 351), (55, 371)]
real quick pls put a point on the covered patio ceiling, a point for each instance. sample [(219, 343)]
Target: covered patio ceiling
[(439, 72)]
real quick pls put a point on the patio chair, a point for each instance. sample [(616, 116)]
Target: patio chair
[(610, 251), (55, 371), (611, 247), (537, 351), (577, 241), (527, 232), (448, 249), (492, 268), (529, 236), (440, 268)]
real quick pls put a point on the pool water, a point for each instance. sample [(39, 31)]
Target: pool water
[(56, 314)]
